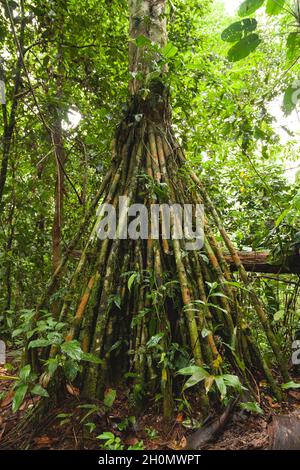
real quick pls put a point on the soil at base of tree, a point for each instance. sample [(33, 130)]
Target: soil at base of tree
[(65, 427)]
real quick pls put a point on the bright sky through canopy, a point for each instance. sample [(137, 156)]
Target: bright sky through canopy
[(282, 122), (231, 6)]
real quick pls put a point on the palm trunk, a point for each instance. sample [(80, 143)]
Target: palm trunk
[(167, 304)]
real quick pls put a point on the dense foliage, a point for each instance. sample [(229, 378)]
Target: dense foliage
[(233, 82)]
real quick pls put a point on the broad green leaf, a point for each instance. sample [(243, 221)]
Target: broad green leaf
[(131, 280), (232, 381), (19, 397), (282, 217), (194, 380), (293, 47), (39, 343), (279, 315), (290, 98), (252, 407), (236, 31), (142, 41), (154, 340), (290, 385), (296, 202), (244, 47), (17, 332), (249, 6), (197, 375), (221, 386), (71, 369), (52, 365), (39, 390), (105, 436), (25, 372), (88, 357), (274, 6), (190, 370), (72, 349), (109, 397), (169, 51)]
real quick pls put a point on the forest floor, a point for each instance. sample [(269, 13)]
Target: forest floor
[(64, 428)]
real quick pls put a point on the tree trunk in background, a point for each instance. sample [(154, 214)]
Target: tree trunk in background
[(259, 262), (9, 119), (59, 194), (60, 158)]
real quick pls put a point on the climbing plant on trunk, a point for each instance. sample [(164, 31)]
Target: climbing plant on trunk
[(130, 301)]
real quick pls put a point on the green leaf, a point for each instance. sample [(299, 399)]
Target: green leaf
[(219, 294), (190, 370), (293, 47), (197, 375), (282, 217), (290, 385), (232, 381), (88, 357), (249, 6), (244, 47), (91, 426), (106, 436), (52, 365), (155, 340), (290, 98), (279, 315), (25, 373), (296, 205), (71, 369), (131, 280), (169, 50), (39, 343), (109, 397), (19, 397), (205, 332), (39, 390), (195, 379), (252, 407), (17, 332), (235, 31), (274, 6), (221, 386), (72, 349), (142, 41)]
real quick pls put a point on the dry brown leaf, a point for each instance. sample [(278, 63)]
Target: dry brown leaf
[(7, 399), (73, 390), (43, 441), (2, 431), (271, 403), (179, 418), (178, 445), (294, 394), (25, 405), (131, 441)]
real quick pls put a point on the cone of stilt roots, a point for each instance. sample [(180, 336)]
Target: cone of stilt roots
[(134, 300)]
